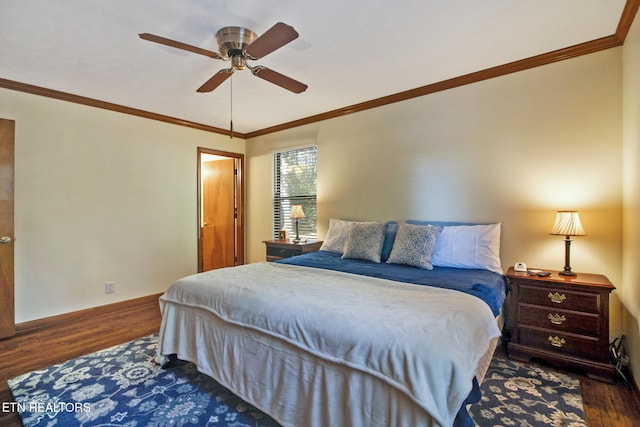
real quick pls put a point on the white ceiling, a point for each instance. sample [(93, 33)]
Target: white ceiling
[(349, 51)]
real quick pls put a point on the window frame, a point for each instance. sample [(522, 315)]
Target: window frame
[(281, 204)]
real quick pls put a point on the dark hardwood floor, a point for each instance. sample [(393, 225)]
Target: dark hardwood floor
[(40, 344), (43, 343)]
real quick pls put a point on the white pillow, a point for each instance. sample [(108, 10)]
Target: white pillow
[(469, 246), (336, 236)]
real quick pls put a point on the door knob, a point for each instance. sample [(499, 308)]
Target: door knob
[(5, 239)]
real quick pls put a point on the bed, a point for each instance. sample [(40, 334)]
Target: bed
[(388, 325)]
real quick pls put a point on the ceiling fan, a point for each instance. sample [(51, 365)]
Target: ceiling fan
[(238, 45)]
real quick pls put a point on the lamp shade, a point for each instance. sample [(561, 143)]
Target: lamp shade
[(568, 224), (296, 211)]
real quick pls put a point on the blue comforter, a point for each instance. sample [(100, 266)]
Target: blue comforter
[(484, 284), (487, 285)]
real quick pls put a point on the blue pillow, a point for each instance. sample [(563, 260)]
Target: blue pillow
[(440, 223), (389, 238)]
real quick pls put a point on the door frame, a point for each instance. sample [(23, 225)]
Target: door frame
[(239, 192)]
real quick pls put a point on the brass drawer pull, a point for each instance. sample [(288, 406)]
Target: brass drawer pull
[(556, 341), (556, 297), (556, 319)]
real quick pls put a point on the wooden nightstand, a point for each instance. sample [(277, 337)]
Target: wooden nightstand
[(279, 249), (561, 319)]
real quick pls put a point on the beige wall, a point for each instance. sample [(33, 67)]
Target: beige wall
[(630, 289), (513, 149), (100, 196)]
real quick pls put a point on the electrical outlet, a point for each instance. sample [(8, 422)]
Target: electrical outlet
[(109, 287)]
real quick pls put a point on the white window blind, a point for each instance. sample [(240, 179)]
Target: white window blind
[(294, 174)]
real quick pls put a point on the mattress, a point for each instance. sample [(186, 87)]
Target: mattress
[(317, 347)]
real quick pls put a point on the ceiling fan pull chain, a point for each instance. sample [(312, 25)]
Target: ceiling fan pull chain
[(231, 108)]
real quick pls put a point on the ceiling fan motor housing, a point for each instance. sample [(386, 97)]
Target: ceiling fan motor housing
[(231, 43)]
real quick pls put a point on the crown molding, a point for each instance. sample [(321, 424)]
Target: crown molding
[(626, 20), (489, 73), (77, 99)]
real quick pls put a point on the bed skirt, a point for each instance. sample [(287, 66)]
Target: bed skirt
[(289, 385)]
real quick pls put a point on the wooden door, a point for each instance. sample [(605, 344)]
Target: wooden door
[(7, 315), (218, 228)]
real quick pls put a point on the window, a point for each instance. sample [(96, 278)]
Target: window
[(294, 183)]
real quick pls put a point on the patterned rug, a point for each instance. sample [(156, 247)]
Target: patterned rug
[(123, 386), (518, 394)]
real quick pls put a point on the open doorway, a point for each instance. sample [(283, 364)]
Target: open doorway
[(220, 209)]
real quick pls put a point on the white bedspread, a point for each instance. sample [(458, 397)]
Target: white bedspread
[(425, 342)]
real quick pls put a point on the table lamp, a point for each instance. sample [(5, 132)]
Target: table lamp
[(296, 213), (567, 224)]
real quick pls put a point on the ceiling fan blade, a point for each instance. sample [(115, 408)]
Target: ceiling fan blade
[(179, 45), (279, 79), (215, 81), (274, 38)]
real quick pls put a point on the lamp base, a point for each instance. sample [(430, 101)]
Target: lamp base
[(567, 273), (567, 256)]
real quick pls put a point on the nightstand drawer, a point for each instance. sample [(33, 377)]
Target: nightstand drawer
[(557, 342), (559, 320), (280, 249), (273, 251), (560, 298)]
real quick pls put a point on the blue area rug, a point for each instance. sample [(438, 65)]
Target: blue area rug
[(519, 394), (123, 386)]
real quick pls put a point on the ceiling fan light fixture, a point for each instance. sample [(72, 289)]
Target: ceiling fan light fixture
[(238, 62)]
